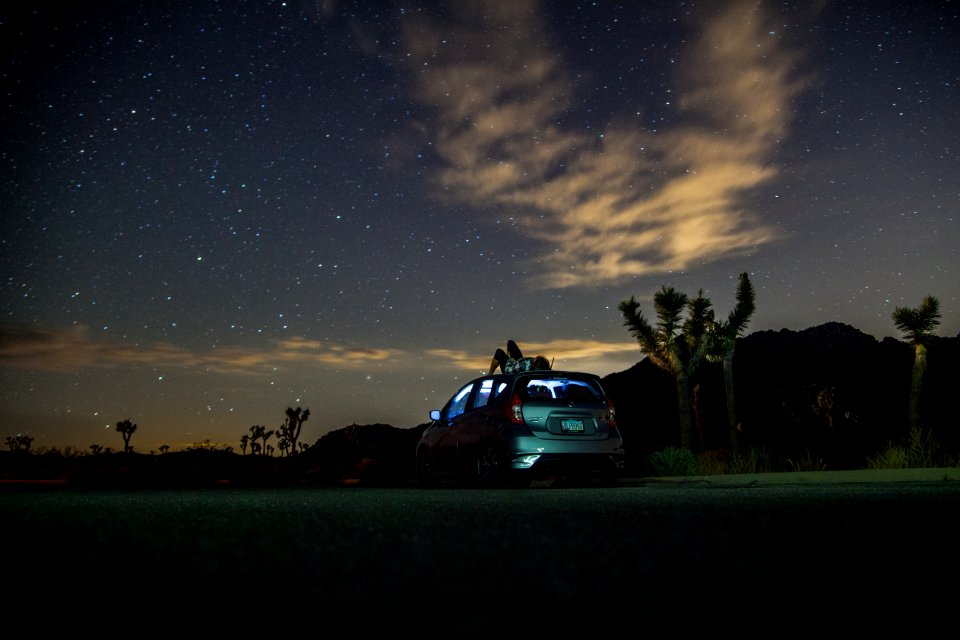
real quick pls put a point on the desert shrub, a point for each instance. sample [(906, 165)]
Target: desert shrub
[(753, 460), (923, 450), (806, 462), (919, 450), (713, 463), (892, 457), (674, 462)]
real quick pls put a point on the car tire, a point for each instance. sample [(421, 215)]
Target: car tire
[(491, 466)]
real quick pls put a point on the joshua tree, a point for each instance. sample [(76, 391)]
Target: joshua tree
[(244, 441), (267, 448), (726, 333), (164, 448), (291, 428), (96, 448), (19, 441), (259, 432), (675, 345), (126, 429), (918, 325), (256, 432)]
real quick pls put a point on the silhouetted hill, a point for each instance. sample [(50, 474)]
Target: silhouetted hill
[(371, 454)]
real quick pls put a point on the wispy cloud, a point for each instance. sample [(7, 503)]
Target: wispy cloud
[(632, 201), (73, 349), (582, 355)]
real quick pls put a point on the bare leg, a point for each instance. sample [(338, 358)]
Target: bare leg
[(499, 360)]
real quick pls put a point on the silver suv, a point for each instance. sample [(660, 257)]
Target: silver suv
[(510, 428)]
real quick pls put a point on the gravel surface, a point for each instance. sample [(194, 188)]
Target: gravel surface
[(668, 558)]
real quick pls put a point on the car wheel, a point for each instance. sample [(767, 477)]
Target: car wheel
[(493, 469), (491, 466)]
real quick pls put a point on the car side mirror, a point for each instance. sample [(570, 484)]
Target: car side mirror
[(435, 414)]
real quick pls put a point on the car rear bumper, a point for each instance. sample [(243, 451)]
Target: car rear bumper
[(562, 457)]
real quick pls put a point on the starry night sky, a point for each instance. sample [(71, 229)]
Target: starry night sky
[(213, 211)]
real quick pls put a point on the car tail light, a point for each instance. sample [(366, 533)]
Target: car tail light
[(515, 410), (611, 412)]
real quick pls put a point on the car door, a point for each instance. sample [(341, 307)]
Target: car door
[(478, 427), (445, 450)]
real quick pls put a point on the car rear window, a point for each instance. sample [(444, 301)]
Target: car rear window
[(564, 389)]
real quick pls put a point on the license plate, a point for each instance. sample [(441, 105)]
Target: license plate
[(571, 426)]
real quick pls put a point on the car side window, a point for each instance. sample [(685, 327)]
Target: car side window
[(484, 393), (459, 402)]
